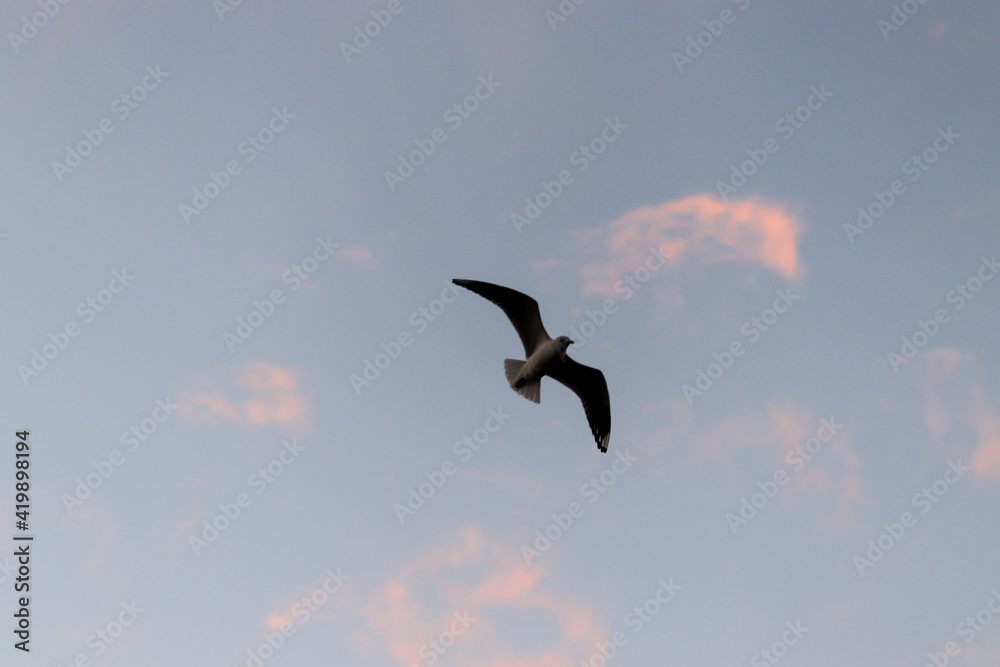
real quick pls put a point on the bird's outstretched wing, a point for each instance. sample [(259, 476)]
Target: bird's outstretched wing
[(589, 384), (520, 308)]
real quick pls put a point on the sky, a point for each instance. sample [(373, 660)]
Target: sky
[(264, 428)]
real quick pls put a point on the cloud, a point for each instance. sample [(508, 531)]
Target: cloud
[(484, 579), (742, 442), (326, 599), (985, 419), (938, 31), (939, 366), (954, 404), (358, 255), (697, 228), (946, 34), (774, 431), (276, 620), (270, 395), (836, 477)]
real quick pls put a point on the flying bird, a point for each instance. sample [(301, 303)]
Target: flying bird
[(547, 356)]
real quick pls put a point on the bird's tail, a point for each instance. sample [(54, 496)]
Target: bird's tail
[(531, 391)]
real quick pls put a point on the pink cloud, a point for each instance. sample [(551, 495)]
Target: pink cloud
[(280, 402), (475, 575), (358, 255), (833, 475), (207, 404), (938, 31), (985, 419), (836, 478), (761, 438), (774, 430), (940, 366), (696, 228), (944, 34), (325, 599), (270, 395), (275, 621), (952, 400)]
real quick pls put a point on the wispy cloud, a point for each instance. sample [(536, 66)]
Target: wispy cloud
[(985, 419), (417, 602), (699, 228), (940, 366), (953, 400), (778, 434), (358, 255), (772, 431), (256, 393)]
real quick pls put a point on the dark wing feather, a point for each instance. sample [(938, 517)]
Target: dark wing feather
[(520, 308), (589, 384)]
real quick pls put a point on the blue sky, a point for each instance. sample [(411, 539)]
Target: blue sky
[(772, 225)]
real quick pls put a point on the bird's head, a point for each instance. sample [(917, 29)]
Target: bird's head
[(562, 344)]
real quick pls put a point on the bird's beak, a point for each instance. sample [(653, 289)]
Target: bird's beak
[(571, 342)]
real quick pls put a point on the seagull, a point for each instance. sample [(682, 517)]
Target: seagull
[(547, 356)]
